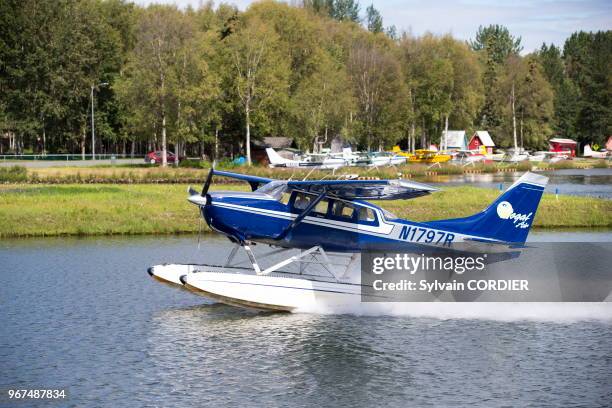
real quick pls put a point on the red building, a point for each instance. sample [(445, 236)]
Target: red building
[(481, 138), (559, 145)]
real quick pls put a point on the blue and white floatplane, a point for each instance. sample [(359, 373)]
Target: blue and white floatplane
[(327, 224)]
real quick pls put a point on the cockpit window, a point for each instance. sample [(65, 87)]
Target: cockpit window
[(389, 215)]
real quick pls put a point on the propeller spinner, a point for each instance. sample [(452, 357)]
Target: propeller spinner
[(201, 199)]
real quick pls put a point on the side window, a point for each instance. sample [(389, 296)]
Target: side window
[(301, 201), (342, 210), (321, 208), (366, 214)]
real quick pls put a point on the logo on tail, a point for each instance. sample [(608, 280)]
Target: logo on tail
[(505, 212)]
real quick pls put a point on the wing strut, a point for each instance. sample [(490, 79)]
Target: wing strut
[(300, 217)]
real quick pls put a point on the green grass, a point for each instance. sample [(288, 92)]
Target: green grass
[(452, 202), (48, 210), (100, 209)]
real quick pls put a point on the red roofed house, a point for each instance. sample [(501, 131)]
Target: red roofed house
[(560, 145), (482, 138)]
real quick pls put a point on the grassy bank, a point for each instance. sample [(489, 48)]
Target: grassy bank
[(76, 209)]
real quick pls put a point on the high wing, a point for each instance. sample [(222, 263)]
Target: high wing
[(254, 181), (344, 189), (364, 189)]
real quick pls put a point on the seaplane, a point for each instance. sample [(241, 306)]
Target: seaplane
[(589, 152), (327, 224), (321, 161), (333, 161)]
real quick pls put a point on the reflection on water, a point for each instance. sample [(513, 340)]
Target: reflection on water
[(83, 314), (590, 182)]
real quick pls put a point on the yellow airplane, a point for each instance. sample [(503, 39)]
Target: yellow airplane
[(423, 156)]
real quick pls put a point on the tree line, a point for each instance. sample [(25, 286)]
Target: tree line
[(209, 81)]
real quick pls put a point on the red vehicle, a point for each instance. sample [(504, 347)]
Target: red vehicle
[(156, 157)]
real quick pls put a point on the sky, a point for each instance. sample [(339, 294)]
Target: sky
[(535, 21)]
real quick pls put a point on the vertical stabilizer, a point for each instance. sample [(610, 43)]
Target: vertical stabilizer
[(275, 158), (509, 218)]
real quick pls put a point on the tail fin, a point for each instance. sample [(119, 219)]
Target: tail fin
[(510, 217), (274, 157), (588, 151)]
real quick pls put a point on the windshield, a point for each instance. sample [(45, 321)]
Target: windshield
[(388, 215), (274, 189)]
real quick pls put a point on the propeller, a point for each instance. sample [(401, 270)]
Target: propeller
[(207, 182), (202, 198)]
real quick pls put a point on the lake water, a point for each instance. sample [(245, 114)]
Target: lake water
[(83, 314), (590, 182)]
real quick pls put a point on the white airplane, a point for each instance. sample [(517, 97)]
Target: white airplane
[(336, 160), (588, 152), (517, 157), (538, 156), (386, 159), (321, 161)]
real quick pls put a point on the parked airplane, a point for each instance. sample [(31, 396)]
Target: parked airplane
[(336, 160), (322, 161), (588, 152), (317, 216)]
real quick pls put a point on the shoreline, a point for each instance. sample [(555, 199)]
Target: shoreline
[(43, 210), (207, 232), (143, 174)]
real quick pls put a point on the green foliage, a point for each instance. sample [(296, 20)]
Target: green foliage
[(321, 103), (552, 63), (209, 76), (533, 103), (258, 71), (497, 42), (13, 174), (587, 57), (444, 77), (344, 10), (52, 53), (374, 20), (496, 46)]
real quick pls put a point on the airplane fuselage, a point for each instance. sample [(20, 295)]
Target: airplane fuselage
[(334, 224)]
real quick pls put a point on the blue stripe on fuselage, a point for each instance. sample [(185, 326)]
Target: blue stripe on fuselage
[(260, 220)]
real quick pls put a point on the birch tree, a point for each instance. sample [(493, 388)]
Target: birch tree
[(259, 70), (161, 33)]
